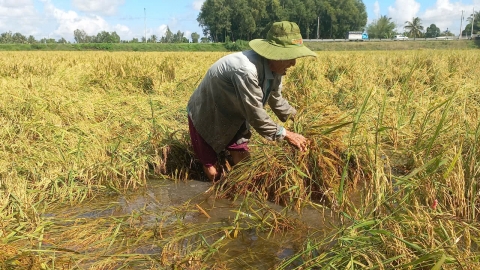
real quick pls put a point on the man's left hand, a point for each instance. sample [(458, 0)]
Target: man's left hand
[(296, 140)]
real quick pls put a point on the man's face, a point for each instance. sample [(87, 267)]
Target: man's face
[(281, 66)]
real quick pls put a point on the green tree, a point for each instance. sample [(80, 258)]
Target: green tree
[(62, 40), (274, 11), (114, 37), (80, 36), (243, 23), (19, 38), (47, 40), (102, 37), (6, 37), (303, 13), (414, 28), (381, 28), (195, 37), (432, 31), (214, 18), (31, 39), (260, 16), (153, 38), (475, 19), (107, 37), (179, 37), (168, 38), (249, 19), (339, 17)]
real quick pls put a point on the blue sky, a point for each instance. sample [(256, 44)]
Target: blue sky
[(59, 18)]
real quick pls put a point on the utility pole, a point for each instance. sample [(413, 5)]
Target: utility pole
[(318, 27), (461, 21), (145, 22), (473, 20)]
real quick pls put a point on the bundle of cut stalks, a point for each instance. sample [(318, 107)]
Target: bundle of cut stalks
[(173, 157), (287, 176)]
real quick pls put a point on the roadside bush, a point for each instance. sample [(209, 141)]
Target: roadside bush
[(239, 45), (37, 46)]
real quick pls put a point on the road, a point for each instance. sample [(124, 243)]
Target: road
[(385, 39)]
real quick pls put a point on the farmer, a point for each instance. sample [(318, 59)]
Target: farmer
[(232, 95)]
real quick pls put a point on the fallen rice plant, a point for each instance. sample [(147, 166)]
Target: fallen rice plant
[(393, 153)]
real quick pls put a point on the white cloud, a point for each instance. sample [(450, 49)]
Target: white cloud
[(444, 14), (197, 4), (19, 16), (14, 3), (402, 11), (107, 7), (376, 9), (15, 12), (121, 28), (162, 29), (69, 21)]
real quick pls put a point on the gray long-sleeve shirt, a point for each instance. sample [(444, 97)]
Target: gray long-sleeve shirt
[(234, 91)]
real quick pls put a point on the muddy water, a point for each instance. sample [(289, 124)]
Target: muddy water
[(192, 202)]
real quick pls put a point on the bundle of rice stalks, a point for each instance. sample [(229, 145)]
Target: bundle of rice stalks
[(286, 176), (11, 258), (173, 156)]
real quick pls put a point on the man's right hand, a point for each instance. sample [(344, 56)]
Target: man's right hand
[(296, 140)]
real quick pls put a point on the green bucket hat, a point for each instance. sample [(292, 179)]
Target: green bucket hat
[(284, 42)]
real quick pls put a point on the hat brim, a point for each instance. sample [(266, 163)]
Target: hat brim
[(272, 52)]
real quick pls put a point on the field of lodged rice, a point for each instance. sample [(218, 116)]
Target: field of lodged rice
[(393, 159)]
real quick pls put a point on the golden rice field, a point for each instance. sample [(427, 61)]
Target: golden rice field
[(393, 165)]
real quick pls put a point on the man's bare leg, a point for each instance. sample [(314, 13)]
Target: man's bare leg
[(211, 172), (238, 156)]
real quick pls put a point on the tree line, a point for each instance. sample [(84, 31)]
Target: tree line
[(105, 37), (384, 27), (9, 37), (473, 20), (250, 19), (233, 20), (80, 36)]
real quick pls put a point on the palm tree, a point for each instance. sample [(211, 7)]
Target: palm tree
[(153, 38), (381, 28), (414, 27), (475, 19)]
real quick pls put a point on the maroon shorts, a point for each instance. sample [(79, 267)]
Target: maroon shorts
[(205, 153)]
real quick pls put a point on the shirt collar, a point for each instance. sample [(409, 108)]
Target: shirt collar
[(267, 71)]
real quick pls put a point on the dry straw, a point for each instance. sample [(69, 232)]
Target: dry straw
[(394, 154)]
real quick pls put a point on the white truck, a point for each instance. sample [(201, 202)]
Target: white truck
[(357, 36), (400, 37)]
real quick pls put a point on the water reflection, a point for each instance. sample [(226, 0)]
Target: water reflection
[(163, 204)]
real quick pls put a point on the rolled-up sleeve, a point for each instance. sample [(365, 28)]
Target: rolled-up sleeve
[(282, 109)]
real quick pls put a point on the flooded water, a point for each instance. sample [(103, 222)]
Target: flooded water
[(168, 206)]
